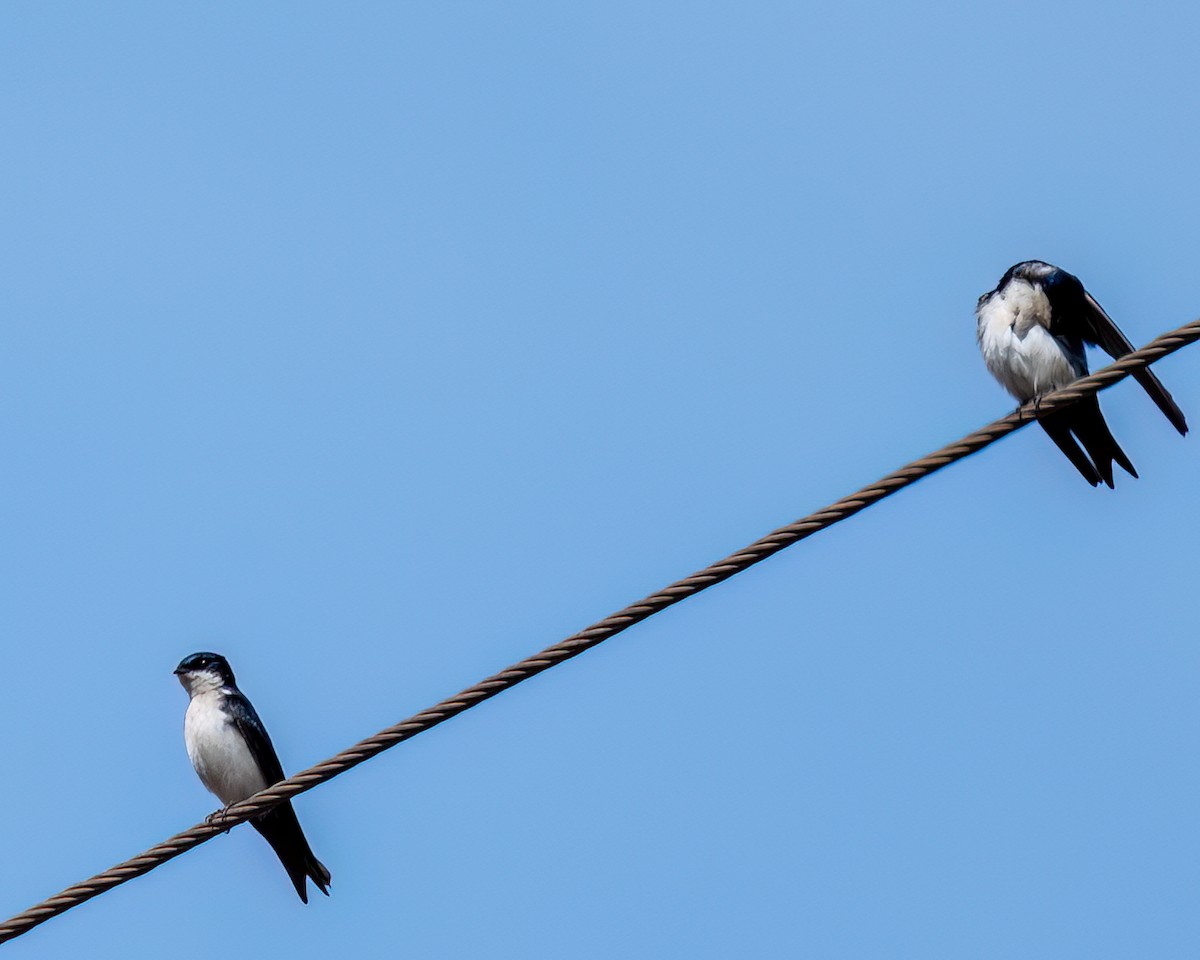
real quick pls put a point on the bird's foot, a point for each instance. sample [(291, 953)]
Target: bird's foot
[(1036, 400), (218, 815)]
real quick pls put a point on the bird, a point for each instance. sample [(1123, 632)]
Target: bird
[(1031, 330), (234, 758)]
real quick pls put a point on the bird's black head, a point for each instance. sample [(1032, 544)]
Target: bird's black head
[(1056, 281), (1034, 271), (1064, 290), (1031, 271), (210, 664)]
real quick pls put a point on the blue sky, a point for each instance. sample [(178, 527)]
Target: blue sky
[(378, 347)]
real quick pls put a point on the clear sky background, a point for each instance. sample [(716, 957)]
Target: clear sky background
[(377, 346)]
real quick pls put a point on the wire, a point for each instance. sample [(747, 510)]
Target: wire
[(597, 633)]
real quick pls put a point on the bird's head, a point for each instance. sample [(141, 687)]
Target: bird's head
[(201, 672)]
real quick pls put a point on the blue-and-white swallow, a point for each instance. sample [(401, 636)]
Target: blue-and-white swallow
[(1032, 329), (230, 750)]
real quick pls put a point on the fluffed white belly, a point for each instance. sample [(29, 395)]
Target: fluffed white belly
[(1026, 364), (218, 753)]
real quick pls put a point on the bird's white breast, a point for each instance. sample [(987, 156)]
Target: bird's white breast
[(218, 752), (1018, 348)]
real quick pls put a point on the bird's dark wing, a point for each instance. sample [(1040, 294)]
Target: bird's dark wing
[(1101, 331), (279, 824), (245, 718)]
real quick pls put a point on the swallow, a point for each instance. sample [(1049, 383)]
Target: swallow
[(1031, 330), (234, 758)]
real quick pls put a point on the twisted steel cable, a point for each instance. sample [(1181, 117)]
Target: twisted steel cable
[(589, 637)]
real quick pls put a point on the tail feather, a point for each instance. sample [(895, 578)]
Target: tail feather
[(1083, 423), (1087, 423), (281, 830), (1058, 427)]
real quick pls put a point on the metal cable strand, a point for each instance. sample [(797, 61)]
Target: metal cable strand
[(597, 633)]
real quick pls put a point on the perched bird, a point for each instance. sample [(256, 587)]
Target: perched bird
[(1031, 331), (231, 752)]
